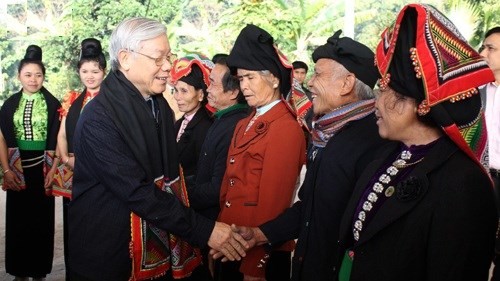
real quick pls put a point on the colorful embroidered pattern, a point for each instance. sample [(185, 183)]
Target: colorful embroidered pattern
[(298, 101), (448, 65), (449, 68), (63, 181), (68, 100), (155, 251), (16, 165), (182, 67)]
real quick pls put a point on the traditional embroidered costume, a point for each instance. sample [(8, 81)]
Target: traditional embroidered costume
[(398, 223), (29, 124)]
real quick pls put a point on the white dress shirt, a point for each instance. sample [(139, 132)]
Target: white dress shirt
[(492, 114)]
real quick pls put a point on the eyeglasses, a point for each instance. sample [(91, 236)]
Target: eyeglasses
[(161, 60)]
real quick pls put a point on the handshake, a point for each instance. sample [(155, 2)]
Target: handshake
[(232, 242)]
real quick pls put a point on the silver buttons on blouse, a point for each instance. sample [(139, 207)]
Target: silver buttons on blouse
[(378, 188)]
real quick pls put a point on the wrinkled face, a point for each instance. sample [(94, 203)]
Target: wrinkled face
[(258, 89), (491, 52), (217, 98), (140, 67), (91, 75), (396, 115), (187, 97), (325, 86), (31, 78), (300, 74)]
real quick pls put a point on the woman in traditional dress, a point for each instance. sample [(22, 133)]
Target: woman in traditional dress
[(190, 76), (91, 69), (425, 210), (29, 122)]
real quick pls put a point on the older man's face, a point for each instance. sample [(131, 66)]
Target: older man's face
[(217, 98), (148, 77), (326, 85)]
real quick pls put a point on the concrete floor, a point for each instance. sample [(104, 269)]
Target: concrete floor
[(58, 272)]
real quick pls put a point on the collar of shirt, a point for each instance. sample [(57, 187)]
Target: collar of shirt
[(263, 109), (190, 116), (33, 96)]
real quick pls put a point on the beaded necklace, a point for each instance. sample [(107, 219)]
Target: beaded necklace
[(382, 186)]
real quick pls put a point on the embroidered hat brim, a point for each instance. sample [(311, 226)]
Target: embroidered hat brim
[(182, 68)]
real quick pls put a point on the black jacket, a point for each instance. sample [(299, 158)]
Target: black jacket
[(118, 157), (444, 230), (189, 145), (204, 194), (327, 187)]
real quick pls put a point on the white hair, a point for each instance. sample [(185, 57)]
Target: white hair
[(130, 33), (363, 91)]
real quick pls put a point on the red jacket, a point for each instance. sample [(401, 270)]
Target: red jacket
[(262, 169)]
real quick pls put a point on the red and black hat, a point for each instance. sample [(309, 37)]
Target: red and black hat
[(424, 56)]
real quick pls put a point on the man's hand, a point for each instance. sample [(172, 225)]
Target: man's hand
[(227, 243), (252, 235)]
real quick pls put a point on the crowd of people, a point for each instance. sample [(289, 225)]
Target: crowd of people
[(401, 146)]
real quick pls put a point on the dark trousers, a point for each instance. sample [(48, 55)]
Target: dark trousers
[(495, 175), (277, 269)]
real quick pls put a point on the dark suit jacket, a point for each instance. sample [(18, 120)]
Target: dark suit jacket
[(189, 145), (204, 194), (327, 187), (445, 231), (108, 185)]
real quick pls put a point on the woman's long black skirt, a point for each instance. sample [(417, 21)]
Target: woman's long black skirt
[(29, 230)]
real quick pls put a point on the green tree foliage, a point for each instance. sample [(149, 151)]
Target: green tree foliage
[(205, 26)]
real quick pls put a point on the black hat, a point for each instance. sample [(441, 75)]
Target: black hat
[(34, 53), (354, 56), (254, 49)]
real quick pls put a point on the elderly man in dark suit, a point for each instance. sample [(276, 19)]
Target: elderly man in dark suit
[(125, 147), (344, 139), (225, 96)]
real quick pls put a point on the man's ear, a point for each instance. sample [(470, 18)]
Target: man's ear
[(348, 84), (124, 59), (234, 94)]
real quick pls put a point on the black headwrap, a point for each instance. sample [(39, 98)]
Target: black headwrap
[(254, 49), (195, 79), (354, 56)]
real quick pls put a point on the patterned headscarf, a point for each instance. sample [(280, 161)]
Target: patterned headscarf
[(182, 69), (424, 56)]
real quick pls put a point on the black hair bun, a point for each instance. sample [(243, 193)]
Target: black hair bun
[(33, 52), (91, 48)]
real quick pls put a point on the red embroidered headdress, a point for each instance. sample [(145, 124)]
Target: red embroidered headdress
[(424, 56)]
